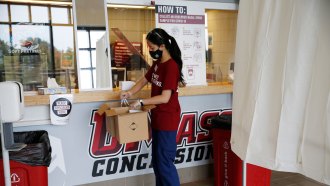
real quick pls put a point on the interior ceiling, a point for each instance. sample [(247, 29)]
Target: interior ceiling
[(58, 0), (219, 1), (31, 1)]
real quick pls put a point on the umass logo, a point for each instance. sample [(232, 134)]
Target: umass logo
[(194, 138)]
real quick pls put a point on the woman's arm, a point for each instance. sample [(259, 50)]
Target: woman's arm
[(155, 100), (159, 99)]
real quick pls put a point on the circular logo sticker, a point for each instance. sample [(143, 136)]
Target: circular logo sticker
[(61, 107)]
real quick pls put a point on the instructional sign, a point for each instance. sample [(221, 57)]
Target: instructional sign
[(187, 25)]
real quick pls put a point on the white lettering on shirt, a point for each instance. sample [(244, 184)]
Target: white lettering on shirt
[(154, 79)]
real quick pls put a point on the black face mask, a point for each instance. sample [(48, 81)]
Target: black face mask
[(156, 54)]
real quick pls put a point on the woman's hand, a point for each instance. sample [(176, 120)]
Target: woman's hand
[(125, 95), (136, 105)]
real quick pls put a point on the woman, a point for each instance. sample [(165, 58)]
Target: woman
[(165, 75)]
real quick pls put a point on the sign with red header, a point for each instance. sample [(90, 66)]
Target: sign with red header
[(187, 25)]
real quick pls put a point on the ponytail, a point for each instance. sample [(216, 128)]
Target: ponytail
[(159, 36), (175, 53)]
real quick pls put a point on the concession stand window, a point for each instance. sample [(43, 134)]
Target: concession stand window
[(32, 46)]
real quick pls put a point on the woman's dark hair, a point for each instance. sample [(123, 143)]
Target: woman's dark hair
[(158, 37)]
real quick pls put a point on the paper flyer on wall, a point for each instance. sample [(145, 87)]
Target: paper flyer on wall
[(60, 108), (187, 25)]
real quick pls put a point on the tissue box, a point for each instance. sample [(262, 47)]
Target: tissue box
[(126, 127), (57, 90)]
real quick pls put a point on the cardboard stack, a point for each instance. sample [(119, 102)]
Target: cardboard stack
[(126, 125)]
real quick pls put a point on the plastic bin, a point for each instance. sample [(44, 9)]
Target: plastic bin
[(29, 166), (228, 167)]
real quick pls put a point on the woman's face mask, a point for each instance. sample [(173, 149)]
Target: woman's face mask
[(154, 50), (156, 54)]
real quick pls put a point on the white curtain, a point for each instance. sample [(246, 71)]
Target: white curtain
[(281, 102)]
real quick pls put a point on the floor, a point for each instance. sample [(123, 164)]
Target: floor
[(278, 179)]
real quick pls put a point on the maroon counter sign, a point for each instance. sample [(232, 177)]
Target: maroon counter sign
[(61, 107)]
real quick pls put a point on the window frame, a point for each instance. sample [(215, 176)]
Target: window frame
[(51, 70), (90, 49)]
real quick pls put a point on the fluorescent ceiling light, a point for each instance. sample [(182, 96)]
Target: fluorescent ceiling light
[(127, 6), (40, 2)]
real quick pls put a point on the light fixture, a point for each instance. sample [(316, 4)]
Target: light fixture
[(125, 6), (129, 6)]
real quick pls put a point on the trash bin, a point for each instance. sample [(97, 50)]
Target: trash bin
[(29, 166), (228, 167)]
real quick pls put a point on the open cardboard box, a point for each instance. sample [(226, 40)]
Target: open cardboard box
[(125, 126)]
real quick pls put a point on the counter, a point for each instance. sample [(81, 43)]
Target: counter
[(84, 153), (108, 95), (37, 106)]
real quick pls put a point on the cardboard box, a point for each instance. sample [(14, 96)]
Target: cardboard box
[(126, 126), (104, 107)]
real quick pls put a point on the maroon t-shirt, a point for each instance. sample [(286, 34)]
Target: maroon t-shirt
[(165, 76)]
